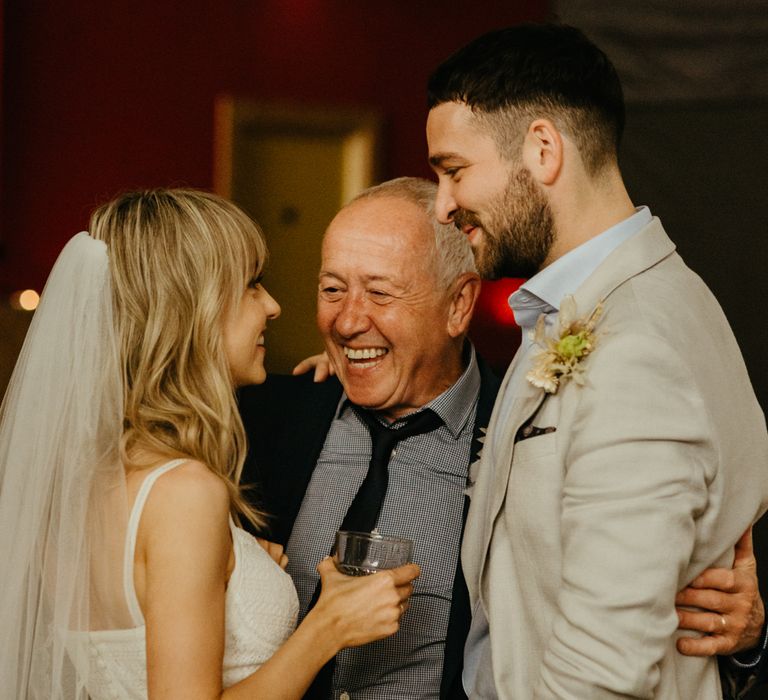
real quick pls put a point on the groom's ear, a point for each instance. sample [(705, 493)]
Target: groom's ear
[(466, 291), (543, 151)]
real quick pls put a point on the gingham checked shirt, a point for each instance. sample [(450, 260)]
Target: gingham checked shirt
[(424, 502)]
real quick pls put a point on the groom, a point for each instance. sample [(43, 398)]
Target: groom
[(627, 451)]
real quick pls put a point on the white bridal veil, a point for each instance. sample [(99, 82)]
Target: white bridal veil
[(62, 487)]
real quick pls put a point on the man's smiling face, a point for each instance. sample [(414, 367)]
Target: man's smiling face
[(494, 202), (382, 313)]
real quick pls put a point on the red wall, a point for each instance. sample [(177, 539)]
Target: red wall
[(101, 96)]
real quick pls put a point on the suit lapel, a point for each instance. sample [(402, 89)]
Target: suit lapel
[(489, 388), (300, 445), (641, 252), (493, 474), (526, 403)]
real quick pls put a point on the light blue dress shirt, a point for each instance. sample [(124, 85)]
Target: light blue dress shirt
[(542, 294)]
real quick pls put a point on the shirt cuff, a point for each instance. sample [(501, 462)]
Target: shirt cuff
[(750, 658)]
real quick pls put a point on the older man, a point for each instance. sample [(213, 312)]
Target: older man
[(621, 459), (396, 294)]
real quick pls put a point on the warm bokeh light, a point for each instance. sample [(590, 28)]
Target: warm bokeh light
[(26, 300), (493, 302), (493, 331)]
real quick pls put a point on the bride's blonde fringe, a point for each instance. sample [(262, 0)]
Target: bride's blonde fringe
[(179, 259)]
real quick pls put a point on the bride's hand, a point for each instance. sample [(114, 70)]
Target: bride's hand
[(275, 551), (320, 363), (362, 609)]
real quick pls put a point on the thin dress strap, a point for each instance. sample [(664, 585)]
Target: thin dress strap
[(130, 539)]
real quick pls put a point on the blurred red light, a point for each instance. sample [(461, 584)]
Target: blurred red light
[(493, 302), (493, 331)]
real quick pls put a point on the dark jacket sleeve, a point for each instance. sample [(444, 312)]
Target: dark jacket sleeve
[(286, 420), (745, 671)]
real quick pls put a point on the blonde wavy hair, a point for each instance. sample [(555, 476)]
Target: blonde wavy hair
[(179, 260)]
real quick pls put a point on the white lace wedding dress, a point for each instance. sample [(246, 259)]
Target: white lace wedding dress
[(261, 611)]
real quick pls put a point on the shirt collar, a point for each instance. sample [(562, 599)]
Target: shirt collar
[(544, 292), (455, 404)]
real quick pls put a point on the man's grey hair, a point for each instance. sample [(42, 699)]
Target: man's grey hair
[(452, 255)]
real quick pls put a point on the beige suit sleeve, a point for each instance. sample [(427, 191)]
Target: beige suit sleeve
[(638, 462)]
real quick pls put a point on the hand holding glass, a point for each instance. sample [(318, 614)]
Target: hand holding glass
[(363, 553)]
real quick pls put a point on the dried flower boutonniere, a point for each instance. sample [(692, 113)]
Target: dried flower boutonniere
[(561, 357)]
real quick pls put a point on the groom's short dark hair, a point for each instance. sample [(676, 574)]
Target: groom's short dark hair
[(520, 73)]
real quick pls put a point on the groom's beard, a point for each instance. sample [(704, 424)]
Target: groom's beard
[(518, 229)]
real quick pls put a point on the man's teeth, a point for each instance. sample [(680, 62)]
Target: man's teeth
[(364, 353)]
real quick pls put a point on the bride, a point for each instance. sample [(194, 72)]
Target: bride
[(125, 573)]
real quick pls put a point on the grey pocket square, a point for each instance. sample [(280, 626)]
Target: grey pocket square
[(531, 431)]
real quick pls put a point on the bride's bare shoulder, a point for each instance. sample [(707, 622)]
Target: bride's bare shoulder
[(183, 532), (189, 494)]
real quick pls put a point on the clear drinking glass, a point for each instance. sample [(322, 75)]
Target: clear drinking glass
[(363, 553)]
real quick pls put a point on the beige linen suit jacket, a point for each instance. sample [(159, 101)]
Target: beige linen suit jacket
[(578, 539)]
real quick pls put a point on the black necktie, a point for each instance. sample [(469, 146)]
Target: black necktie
[(364, 510)]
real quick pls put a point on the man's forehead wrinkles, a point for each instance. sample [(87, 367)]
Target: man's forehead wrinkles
[(365, 277), (379, 278), (439, 158), (395, 283)]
